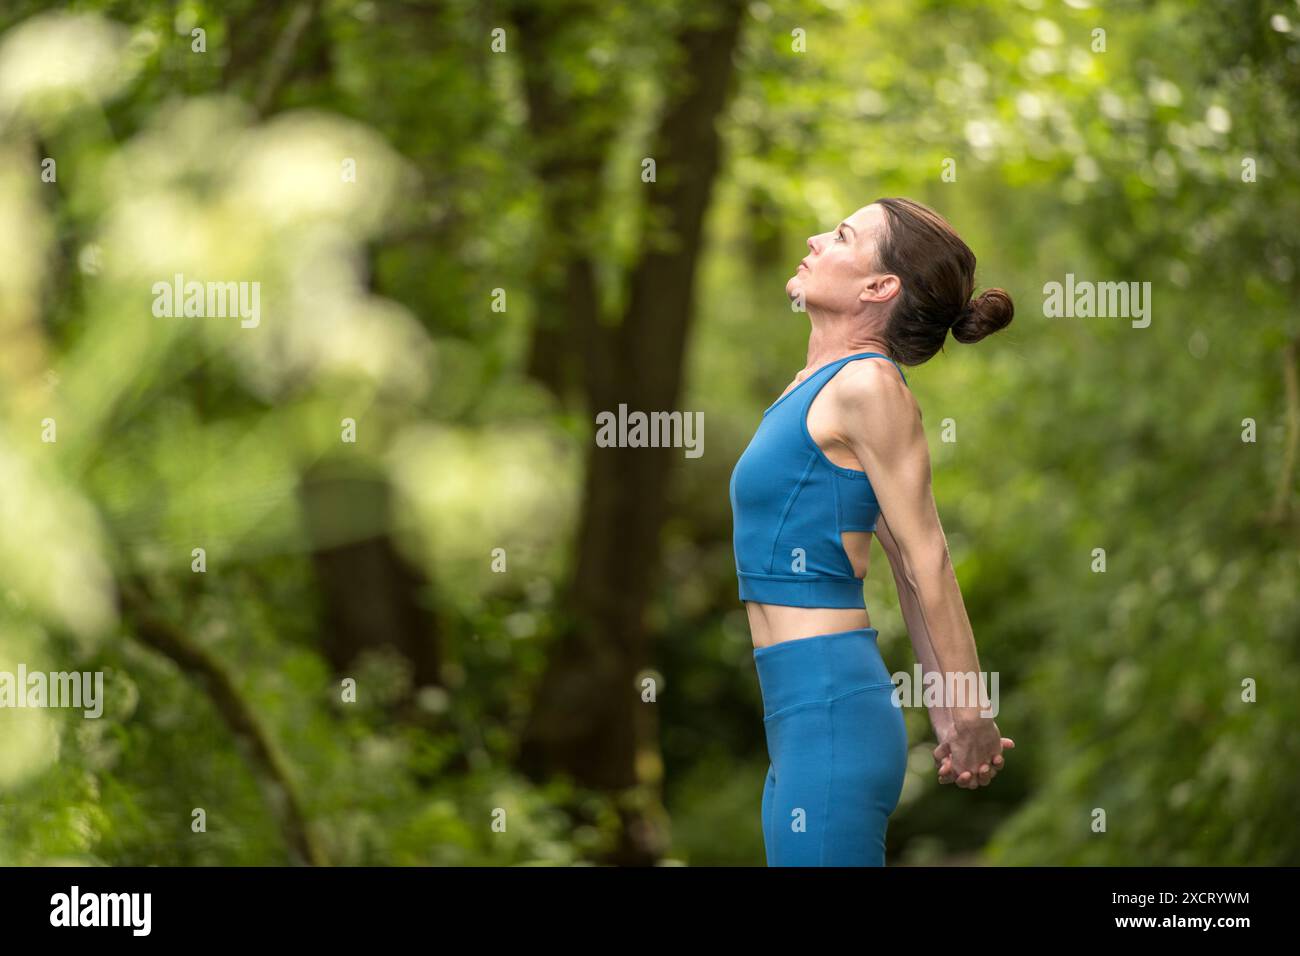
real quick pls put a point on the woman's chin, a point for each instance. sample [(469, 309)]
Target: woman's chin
[(793, 287)]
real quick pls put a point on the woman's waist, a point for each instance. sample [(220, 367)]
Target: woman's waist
[(820, 669), (775, 623)]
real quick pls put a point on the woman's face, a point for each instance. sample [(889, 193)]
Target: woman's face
[(840, 263)]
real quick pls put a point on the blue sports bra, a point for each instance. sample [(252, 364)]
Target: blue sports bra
[(789, 503)]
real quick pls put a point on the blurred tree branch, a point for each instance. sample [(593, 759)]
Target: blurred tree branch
[(281, 57), (1282, 497), (267, 763), (272, 45)]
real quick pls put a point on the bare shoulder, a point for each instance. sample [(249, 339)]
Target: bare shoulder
[(873, 389), (876, 414)]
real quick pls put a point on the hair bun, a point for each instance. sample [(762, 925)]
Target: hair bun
[(983, 315)]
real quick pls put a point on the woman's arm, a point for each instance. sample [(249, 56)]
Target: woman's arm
[(881, 423), (922, 645)]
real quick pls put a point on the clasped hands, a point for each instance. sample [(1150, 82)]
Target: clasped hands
[(970, 755)]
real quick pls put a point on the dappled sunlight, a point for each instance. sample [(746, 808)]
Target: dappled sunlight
[(309, 315), (56, 62), (477, 491)]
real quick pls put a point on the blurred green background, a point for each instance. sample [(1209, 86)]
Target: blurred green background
[(461, 259)]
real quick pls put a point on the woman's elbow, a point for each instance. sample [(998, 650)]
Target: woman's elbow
[(928, 565)]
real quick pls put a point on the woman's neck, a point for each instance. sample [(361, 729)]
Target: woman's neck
[(841, 336)]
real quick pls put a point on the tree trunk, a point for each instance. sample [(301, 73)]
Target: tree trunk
[(373, 596), (589, 719)]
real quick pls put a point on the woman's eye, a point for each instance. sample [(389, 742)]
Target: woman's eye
[(840, 236)]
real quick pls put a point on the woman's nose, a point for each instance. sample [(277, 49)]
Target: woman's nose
[(812, 243)]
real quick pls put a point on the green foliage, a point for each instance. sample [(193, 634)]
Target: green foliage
[(1122, 689)]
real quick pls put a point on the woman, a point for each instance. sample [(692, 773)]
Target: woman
[(841, 454)]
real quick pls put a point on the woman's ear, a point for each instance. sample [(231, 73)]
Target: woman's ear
[(880, 288)]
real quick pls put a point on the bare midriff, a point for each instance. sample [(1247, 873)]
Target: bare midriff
[(774, 623)]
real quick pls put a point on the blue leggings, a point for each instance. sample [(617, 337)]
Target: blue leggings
[(838, 750)]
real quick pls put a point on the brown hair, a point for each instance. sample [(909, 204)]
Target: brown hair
[(938, 273)]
